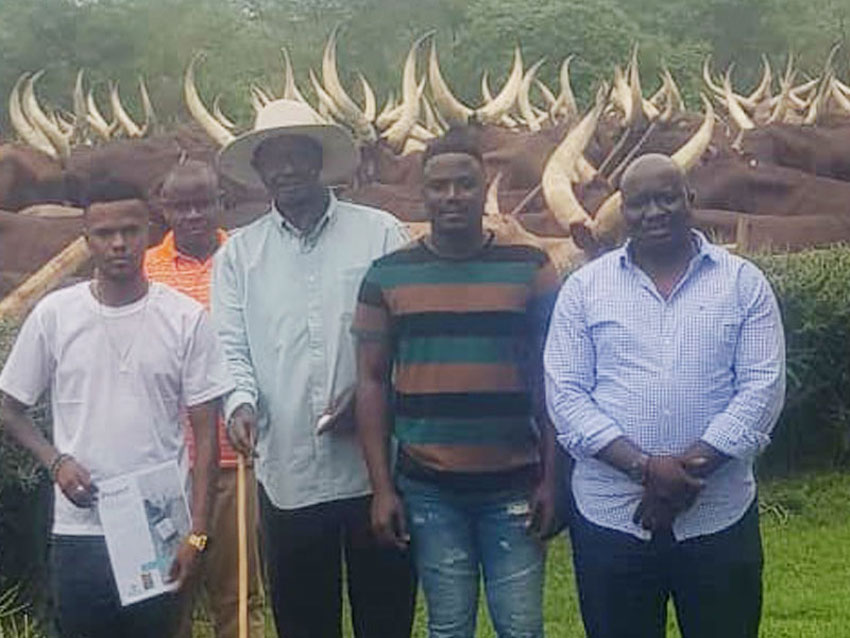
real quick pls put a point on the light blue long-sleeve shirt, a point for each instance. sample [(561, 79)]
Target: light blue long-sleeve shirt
[(283, 302), (707, 363)]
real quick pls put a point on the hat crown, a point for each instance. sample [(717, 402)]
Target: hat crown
[(283, 114)]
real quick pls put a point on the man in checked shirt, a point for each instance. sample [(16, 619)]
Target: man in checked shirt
[(665, 374)]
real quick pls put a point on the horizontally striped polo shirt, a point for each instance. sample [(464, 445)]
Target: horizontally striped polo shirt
[(466, 344)]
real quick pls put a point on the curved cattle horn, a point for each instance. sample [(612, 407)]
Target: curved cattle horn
[(609, 220), (259, 98), (674, 103), (640, 107), (780, 108), (762, 91), (805, 88), (621, 96), (493, 111), (389, 113), (147, 107), (28, 133), (736, 112), (225, 121), (290, 89), (411, 146), (196, 107), (491, 200), (419, 132), (547, 94), (431, 122), (560, 173), (370, 106), (64, 121), (80, 120), (95, 118), (326, 102), (485, 87), (400, 130), (709, 82), (687, 156), (346, 106), (524, 99), (506, 120), (130, 127), (411, 96), (566, 104), (658, 99), (37, 117), (453, 110), (839, 97)]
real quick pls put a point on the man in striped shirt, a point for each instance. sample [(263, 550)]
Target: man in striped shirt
[(456, 320), (191, 203), (665, 373)]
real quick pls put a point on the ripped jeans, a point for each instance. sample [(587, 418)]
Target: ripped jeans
[(458, 536)]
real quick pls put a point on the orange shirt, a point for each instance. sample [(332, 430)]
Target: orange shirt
[(164, 264)]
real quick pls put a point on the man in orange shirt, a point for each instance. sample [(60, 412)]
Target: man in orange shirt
[(191, 203)]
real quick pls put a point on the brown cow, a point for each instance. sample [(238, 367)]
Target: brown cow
[(28, 242), (765, 189), (28, 177), (819, 150)]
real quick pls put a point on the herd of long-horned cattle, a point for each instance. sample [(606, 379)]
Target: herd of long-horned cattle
[(771, 167)]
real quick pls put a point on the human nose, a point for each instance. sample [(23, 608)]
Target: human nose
[(118, 243), (654, 211)]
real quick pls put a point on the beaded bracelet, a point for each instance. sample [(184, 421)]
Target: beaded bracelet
[(56, 464)]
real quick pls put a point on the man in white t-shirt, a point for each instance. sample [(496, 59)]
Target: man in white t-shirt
[(120, 358)]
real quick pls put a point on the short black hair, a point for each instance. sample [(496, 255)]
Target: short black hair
[(103, 189), (464, 139), (189, 167)]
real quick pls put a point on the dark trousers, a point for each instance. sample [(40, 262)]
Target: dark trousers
[(303, 550), (624, 583), (87, 600)]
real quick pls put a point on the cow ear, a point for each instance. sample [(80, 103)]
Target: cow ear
[(583, 237)]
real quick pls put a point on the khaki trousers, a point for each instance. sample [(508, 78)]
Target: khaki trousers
[(217, 574)]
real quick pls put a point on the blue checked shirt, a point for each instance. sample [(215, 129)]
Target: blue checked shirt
[(708, 363)]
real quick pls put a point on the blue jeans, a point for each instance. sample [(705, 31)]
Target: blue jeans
[(458, 535)]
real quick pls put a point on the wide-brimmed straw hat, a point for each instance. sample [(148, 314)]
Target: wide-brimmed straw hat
[(290, 117)]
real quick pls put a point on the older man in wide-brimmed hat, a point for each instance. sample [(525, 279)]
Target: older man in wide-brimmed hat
[(284, 291)]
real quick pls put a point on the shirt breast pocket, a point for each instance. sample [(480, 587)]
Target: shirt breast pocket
[(711, 335)]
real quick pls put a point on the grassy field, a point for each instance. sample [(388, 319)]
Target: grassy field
[(806, 531)]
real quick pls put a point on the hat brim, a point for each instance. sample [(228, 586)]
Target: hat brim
[(339, 154)]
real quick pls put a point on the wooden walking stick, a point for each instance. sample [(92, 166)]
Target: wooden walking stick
[(242, 535)]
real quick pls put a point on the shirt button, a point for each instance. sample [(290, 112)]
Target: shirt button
[(667, 412)]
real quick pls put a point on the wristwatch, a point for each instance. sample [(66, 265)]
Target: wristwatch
[(638, 467), (198, 541)]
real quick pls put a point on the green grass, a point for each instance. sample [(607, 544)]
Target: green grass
[(806, 532)]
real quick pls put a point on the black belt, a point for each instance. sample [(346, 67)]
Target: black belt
[(525, 476)]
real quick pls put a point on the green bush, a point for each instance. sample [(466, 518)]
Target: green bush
[(812, 288), (25, 494)]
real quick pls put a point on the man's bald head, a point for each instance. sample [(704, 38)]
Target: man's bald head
[(656, 205), (652, 167)]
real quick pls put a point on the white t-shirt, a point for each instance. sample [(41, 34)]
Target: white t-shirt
[(118, 378)]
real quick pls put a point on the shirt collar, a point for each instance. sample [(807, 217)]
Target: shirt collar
[(310, 237), (705, 250), (169, 246)]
